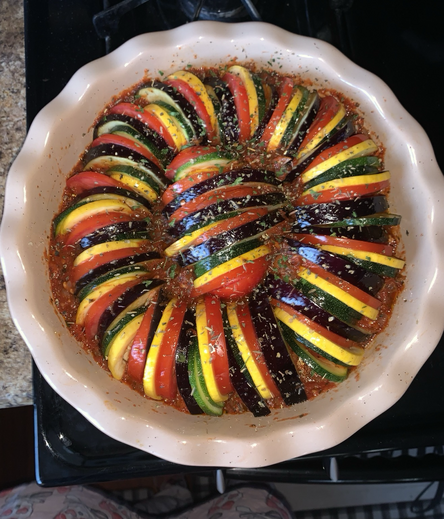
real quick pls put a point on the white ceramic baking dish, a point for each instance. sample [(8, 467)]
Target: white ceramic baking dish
[(58, 136)]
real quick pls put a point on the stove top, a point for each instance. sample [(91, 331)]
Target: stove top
[(388, 38)]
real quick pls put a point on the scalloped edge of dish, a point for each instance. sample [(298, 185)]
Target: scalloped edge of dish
[(241, 441)]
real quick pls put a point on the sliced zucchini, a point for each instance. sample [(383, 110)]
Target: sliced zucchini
[(197, 382), (320, 365), (350, 356)]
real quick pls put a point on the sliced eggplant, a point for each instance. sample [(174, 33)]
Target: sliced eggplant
[(290, 295), (304, 122), (106, 156), (115, 264), (366, 281), (330, 212), (243, 232), (275, 351), (244, 386), (135, 297), (202, 217), (117, 231), (231, 177), (159, 146), (186, 337), (227, 115)]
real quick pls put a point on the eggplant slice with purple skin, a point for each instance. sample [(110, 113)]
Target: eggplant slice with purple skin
[(131, 230), (225, 239), (160, 148), (187, 333), (232, 177), (129, 298), (114, 264), (274, 349), (202, 217), (329, 212), (290, 295), (227, 115), (243, 385), (353, 274), (105, 156)]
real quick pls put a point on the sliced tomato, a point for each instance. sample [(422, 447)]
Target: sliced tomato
[(244, 316), (92, 319), (286, 91), (320, 239), (91, 224), (111, 138), (196, 102), (86, 180), (352, 290), (216, 336), (189, 181), (328, 109), (187, 155), (165, 374), (343, 193), (337, 148), (236, 283), (331, 336), (81, 270), (217, 195), (139, 347), (240, 96), (138, 112)]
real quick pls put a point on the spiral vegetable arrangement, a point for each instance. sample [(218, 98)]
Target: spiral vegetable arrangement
[(225, 243)]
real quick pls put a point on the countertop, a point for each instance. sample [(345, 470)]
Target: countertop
[(15, 359)]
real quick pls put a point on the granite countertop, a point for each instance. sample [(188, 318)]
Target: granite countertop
[(15, 359)]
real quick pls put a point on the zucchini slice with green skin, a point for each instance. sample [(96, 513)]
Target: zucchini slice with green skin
[(376, 268), (320, 365), (122, 273), (224, 255), (113, 336), (197, 382), (367, 221), (217, 158), (328, 303), (181, 121), (350, 356), (349, 168)]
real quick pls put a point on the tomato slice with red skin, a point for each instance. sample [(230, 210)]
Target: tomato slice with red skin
[(328, 109), (244, 316), (218, 353), (320, 239), (240, 96), (327, 334), (86, 180), (137, 112), (236, 283), (337, 148), (110, 138), (92, 319), (223, 193), (81, 270), (356, 292), (191, 96), (286, 92), (93, 223), (186, 183), (343, 193), (165, 375), (139, 347)]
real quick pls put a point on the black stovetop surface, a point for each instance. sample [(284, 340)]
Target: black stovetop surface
[(392, 39)]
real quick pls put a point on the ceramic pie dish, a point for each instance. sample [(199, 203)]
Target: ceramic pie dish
[(58, 136)]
